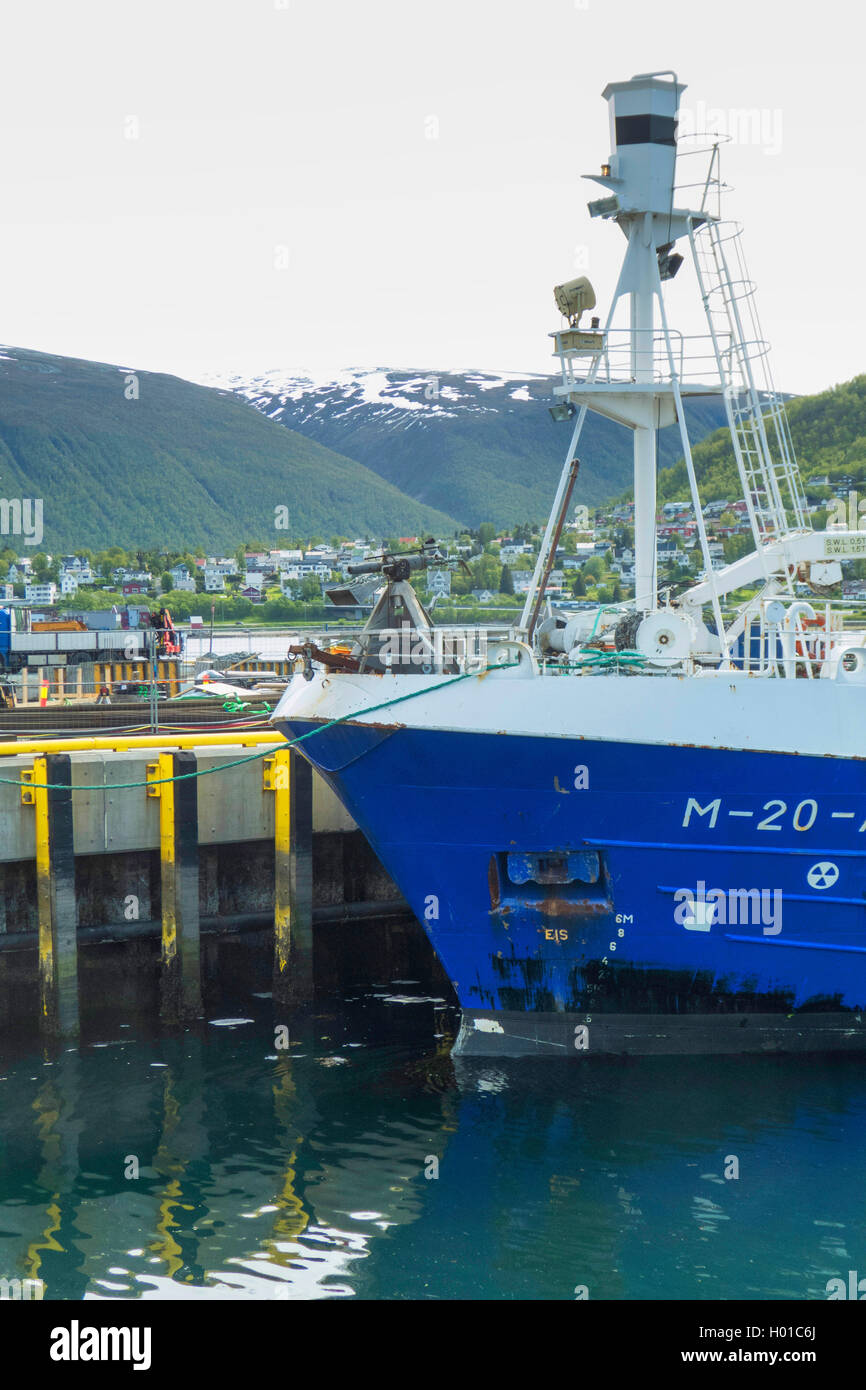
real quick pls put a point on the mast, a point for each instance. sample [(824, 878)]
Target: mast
[(641, 374), (642, 347), (629, 376)]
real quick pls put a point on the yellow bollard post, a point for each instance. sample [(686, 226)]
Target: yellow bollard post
[(47, 787), (178, 856), (290, 779)]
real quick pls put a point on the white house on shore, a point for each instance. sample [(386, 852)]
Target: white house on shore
[(181, 580), (77, 568), (40, 593)]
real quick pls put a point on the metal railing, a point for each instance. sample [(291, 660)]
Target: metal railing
[(695, 360)]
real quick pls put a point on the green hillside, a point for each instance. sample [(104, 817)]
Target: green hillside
[(829, 436), (484, 448), (182, 465)]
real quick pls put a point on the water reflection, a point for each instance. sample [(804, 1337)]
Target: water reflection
[(402, 1173), (216, 1170)]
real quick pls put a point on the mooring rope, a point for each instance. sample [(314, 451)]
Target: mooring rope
[(264, 752)]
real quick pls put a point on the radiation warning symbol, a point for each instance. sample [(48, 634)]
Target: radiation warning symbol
[(822, 875)]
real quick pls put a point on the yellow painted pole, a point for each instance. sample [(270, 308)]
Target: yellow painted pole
[(55, 892), (277, 777), (178, 855), (289, 777), (162, 770), (43, 886)]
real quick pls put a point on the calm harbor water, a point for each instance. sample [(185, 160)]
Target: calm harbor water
[(311, 1172)]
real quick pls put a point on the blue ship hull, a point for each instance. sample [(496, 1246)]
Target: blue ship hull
[(559, 909)]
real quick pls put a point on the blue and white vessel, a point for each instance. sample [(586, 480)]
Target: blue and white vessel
[(641, 829)]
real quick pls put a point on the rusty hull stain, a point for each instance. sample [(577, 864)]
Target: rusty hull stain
[(570, 907), (493, 882), (359, 724)]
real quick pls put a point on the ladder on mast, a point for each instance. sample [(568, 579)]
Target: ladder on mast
[(770, 476)]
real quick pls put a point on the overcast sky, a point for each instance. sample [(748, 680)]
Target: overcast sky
[(200, 186)]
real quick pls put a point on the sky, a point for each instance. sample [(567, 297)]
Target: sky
[(239, 186)]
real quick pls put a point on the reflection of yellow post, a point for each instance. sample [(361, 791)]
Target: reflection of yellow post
[(33, 1258), (292, 1218), (165, 1163), (57, 1123)]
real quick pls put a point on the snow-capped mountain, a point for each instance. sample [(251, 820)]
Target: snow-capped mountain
[(433, 395), (478, 445)]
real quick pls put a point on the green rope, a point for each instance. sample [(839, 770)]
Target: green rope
[(627, 655), (606, 608), (264, 752)]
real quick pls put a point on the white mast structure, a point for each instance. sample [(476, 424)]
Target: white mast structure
[(639, 377)]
